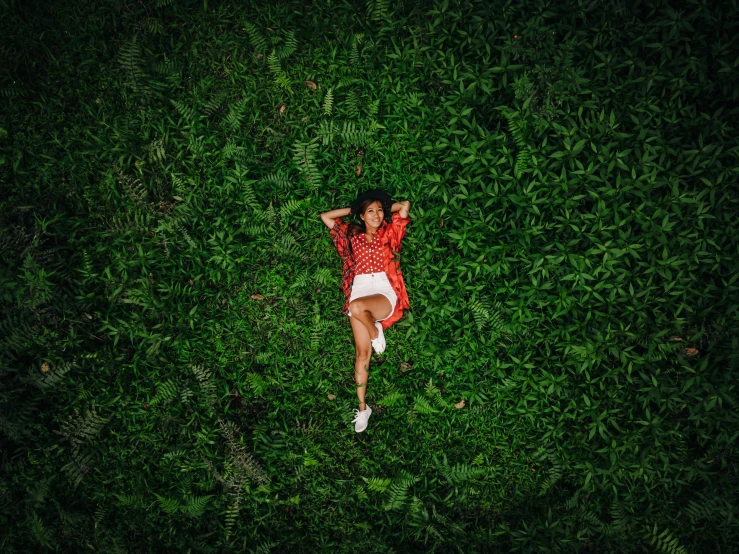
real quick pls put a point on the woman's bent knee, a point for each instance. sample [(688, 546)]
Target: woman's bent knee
[(364, 357)]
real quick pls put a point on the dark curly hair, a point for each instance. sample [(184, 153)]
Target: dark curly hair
[(355, 228)]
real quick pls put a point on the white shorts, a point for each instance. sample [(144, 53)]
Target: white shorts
[(373, 283)]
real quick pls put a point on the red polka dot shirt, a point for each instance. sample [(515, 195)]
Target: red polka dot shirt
[(368, 255)]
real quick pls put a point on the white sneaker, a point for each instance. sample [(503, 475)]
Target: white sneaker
[(361, 419), (378, 344)]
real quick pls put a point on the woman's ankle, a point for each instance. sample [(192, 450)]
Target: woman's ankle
[(361, 409)]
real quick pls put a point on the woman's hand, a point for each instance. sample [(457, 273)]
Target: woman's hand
[(404, 210), (329, 217)]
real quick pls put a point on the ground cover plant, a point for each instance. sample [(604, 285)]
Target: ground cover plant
[(176, 372)]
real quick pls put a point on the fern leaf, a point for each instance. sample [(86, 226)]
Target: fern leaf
[(361, 493), (289, 207), (129, 500), (257, 40), (351, 135), (187, 112), (326, 131), (290, 46), (396, 496), (273, 62), (281, 179), (392, 399), (354, 53), (376, 484), (432, 392), (378, 10), (352, 104), (255, 230), (169, 505), (154, 26), (174, 454), (522, 160), (286, 245), (132, 64), (53, 376), (12, 91), (231, 514), (328, 102), (284, 81), (215, 102), (167, 67), (324, 276), (373, 108), (81, 429), (195, 506), (39, 533), (165, 392), (422, 406), (704, 507), (665, 541), (317, 332), (303, 158), (80, 466), (479, 313), (256, 383), (237, 112), (248, 196)]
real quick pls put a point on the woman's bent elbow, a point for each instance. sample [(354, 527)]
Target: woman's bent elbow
[(328, 222)]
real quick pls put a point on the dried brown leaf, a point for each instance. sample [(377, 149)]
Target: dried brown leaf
[(689, 352), (311, 85), (459, 405)]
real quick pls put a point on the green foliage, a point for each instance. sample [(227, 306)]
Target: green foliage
[(132, 64), (328, 106), (304, 157), (258, 42), (664, 541), (517, 128), (175, 372)]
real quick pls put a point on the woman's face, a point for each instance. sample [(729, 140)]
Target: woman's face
[(373, 215)]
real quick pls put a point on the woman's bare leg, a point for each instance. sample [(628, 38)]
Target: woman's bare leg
[(364, 353), (369, 309)]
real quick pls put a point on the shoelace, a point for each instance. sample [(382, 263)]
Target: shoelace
[(356, 414)]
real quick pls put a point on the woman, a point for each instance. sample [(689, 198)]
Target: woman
[(372, 281)]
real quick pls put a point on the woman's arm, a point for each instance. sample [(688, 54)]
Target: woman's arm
[(328, 217), (401, 207)]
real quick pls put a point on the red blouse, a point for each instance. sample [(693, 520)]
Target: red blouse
[(367, 255), (375, 256)]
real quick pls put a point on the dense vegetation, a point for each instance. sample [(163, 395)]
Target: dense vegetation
[(176, 372)]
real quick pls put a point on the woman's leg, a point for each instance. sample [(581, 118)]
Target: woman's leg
[(369, 309), (364, 353)]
